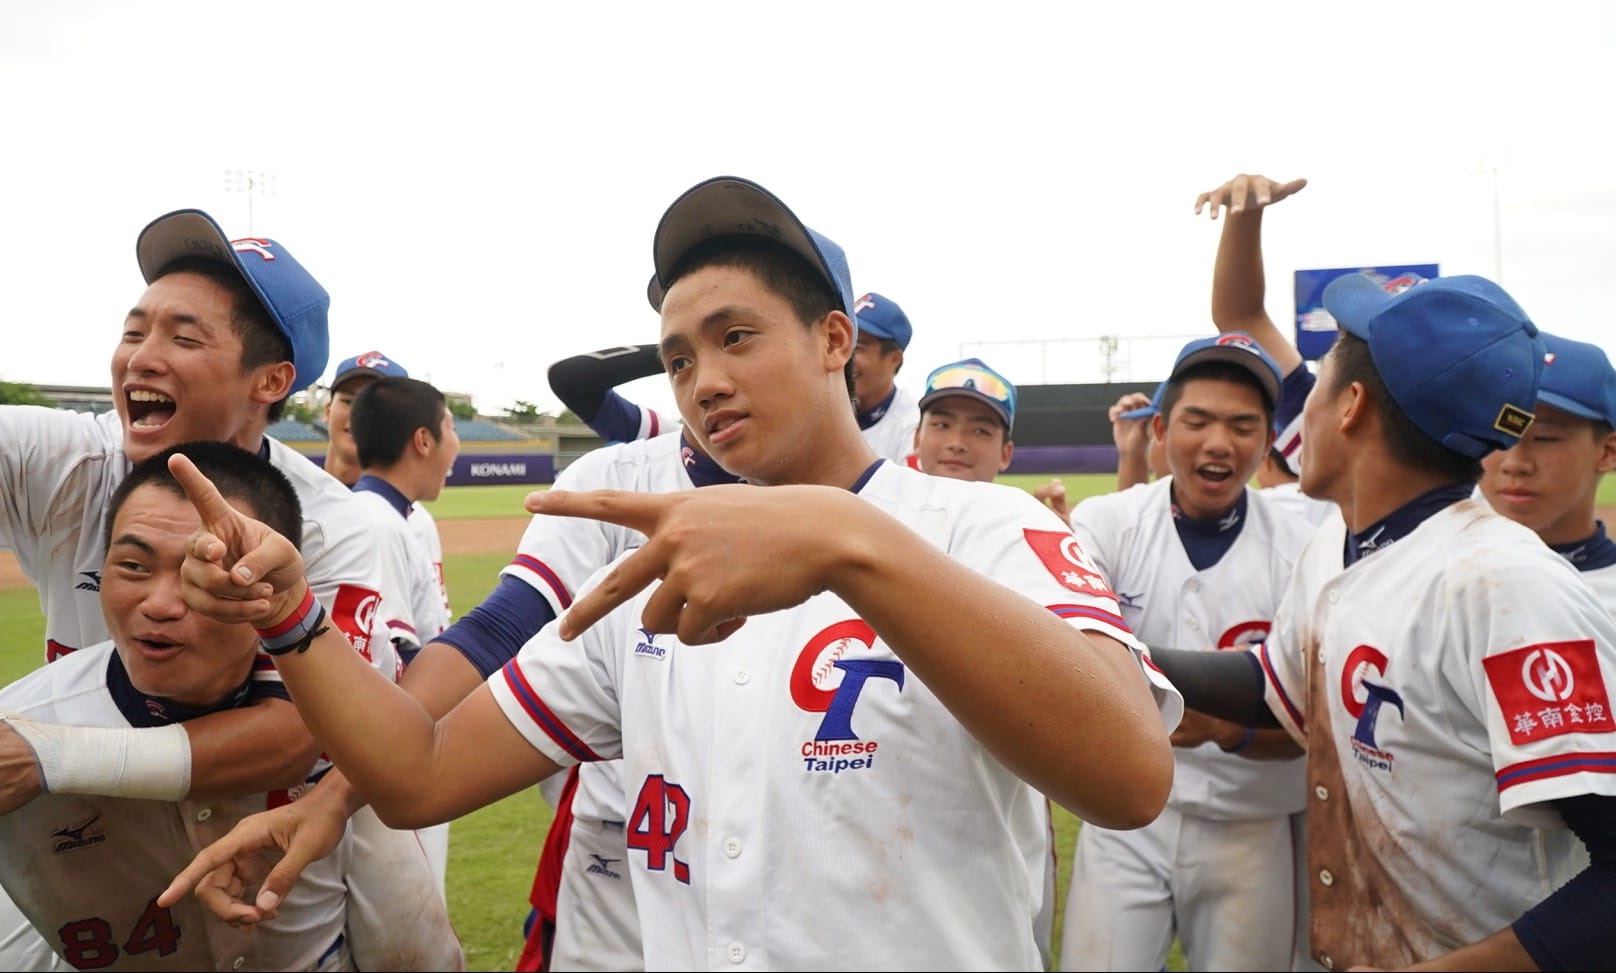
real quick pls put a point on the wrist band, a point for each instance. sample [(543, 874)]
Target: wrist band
[(151, 763), (1245, 741), (297, 631)]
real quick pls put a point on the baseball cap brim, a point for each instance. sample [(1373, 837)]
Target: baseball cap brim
[(988, 400), (1564, 404), (353, 373), (1266, 376), (729, 205), (1143, 412)]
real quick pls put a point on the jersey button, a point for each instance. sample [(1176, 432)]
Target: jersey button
[(732, 848), (1326, 962), (736, 953), (743, 676), (1321, 793), (204, 814), (240, 961), (1326, 878)]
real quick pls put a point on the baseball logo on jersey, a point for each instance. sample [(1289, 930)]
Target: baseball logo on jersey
[(354, 612), (1550, 689), (1364, 693), (1244, 635), (1061, 555), (829, 677)]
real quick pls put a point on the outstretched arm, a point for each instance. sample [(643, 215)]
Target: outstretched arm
[(1239, 287)]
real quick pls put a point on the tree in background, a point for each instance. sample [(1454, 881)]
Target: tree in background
[(21, 393)]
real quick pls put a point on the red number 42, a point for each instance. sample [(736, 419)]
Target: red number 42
[(87, 943), (660, 815)]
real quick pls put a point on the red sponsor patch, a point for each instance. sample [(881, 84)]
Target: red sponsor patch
[(354, 612), (1550, 689), (1065, 560)]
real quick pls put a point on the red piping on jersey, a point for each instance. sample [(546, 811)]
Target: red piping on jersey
[(541, 715), (1559, 765), (1086, 611), (530, 563), (1279, 687)]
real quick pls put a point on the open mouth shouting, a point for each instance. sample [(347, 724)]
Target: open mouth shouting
[(148, 409)]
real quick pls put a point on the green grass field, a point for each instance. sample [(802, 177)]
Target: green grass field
[(492, 851)]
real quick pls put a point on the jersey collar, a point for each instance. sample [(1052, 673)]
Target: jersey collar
[(868, 419), (1401, 522), (702, 469), (1591, 553), (375, 484), (143, 710)]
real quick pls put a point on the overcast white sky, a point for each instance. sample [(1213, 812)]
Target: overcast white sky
[(476, 184)]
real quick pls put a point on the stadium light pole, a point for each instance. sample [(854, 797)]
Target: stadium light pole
[(249, 182)]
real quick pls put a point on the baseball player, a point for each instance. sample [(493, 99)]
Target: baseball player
[(1549, 481), (84, 869), (406, 443), (887, 414), (1198, 560), (966, 414), (224, 332), (795, 709), (342, 456), (1454, 706)]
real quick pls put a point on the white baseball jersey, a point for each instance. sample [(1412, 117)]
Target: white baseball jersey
[(57, 474), (426, 531), (1448, 687), (1290, 498), (86, 871), (892, 436), (415, 615), (802, 751), (1167, 602)]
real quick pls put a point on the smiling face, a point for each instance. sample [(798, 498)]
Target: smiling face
[(177, 375), (760, 392), (1549, 480), (874, 371), (963, 438), (1215, 437), (167, 649)]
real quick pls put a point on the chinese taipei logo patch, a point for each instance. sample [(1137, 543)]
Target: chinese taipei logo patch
[(832, 672)]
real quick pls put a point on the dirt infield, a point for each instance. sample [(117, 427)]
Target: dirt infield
[(459, 537)]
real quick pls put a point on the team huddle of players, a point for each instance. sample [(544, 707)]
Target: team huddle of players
[(800, 681)]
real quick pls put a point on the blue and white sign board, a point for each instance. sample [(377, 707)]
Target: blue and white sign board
[(1316, 329)]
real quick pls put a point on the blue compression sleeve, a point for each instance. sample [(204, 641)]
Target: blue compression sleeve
[(492, 633), (1571, 929), (618, 420)]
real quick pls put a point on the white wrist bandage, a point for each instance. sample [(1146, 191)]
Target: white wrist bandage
[(152, 763)]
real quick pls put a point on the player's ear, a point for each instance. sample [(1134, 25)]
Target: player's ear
[(840, 337), (1158, 426), (423, 441), (1353, 406), (273, 382), (1004, 456), (1607, 454)]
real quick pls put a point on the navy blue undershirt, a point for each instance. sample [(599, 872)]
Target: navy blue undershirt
[(1401, 522), (618, 419), (1293, 395), (1591, 553), (145, 711), (1206, 541), (868, 419)]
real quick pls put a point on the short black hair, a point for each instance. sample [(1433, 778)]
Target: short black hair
[(386, 413), (777, 267), (1220, 371), (239, 475), (1406, 442), (262, 342)]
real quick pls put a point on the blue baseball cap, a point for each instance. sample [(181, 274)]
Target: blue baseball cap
[(294, 300), (730, 205), (1457, 354), (1577, 378), (371, 363), (1234, 348), (1146, 411), (972, 377), (882, 317)]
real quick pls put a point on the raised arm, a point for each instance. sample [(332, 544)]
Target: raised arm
[(1239, 287)]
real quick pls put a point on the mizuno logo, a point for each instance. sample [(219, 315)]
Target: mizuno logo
[(1126, 600), (75, 836), (92, 581), (603, 866), (649, 647)]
